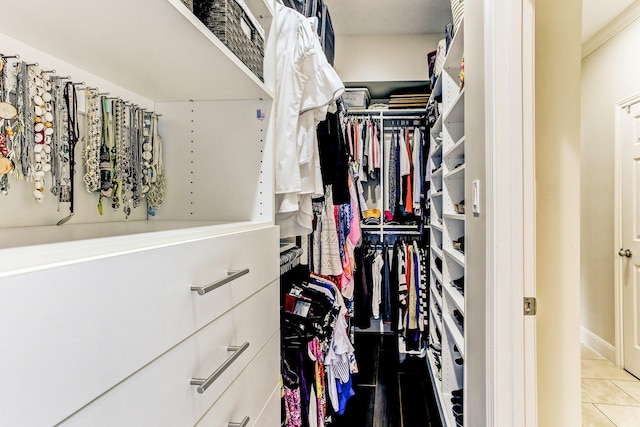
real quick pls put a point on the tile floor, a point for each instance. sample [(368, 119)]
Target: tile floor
[(610, 396)]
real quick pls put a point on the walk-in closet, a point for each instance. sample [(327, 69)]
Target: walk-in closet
[(298, 213)]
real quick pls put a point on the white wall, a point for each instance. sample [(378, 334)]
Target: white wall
[(609, 74), (374, 58), (557, 146)]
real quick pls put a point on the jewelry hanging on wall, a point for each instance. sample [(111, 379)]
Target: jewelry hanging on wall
[(38, 84), (122, 182), (24, 134), (107, 158), (8, 112), (136, 158), (91, 152), (60, 172), (73, 136), (155, 196)]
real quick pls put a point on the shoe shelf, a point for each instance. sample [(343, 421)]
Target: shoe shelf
[(437, 307), (436, 273), (437, 298), (437, 318), (448, 184), (457, 173), (455, 255), (452, 329), (456, 216), (456, 151), (454, 295), (437, 251)]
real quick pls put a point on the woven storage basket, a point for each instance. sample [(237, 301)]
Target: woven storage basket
[(457, 10), (233, 24)]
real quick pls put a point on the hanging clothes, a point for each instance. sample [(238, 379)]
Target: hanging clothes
[(305, 82)]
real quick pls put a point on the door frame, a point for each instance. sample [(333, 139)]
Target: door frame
[(621, 107), (510, 212)]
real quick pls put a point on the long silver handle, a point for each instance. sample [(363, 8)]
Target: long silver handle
[(242, 423), (231, 275), (204, 383), (625, 252)]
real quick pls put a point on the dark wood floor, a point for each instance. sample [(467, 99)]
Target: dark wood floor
[(392, 390)]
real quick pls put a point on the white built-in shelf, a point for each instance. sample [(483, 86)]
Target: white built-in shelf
[(25, 249), (455, 53), (437, 172), (457, 216), (437, 88), (436, 129), (155, 48), (436, 296), (437, 318), (436, 379), (437, 194), (455, 114), (452, 328), (436, 273), (455, 296), (456, 151), (436, 150), (436, 226), (457, 173), (436, 250), (456, 255)]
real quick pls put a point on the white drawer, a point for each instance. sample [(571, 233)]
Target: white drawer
[(161, 393), (251, 393), (272, 411), (68, 334)]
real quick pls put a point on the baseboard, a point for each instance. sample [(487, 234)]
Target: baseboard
[(597, 344)]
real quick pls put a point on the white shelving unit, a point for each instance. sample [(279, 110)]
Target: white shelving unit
[(157, 54), (113, 307), (448, 227)]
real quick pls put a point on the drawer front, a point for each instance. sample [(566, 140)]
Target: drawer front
[(251, 393), (271, 413), (83, 328), (161, 393)]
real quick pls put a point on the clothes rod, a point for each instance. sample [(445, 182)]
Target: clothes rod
[(394, 117)]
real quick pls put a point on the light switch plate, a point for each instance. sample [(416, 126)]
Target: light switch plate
[(475, 191)]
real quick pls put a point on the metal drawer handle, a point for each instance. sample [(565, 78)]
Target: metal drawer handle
[(203, 384), (243, 423), (231, 275)]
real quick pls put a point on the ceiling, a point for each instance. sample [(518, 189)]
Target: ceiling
[(597, 13), (363, 17)]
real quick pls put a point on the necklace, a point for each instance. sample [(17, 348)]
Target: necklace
[(91, 152)]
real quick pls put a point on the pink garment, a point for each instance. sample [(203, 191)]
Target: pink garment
[(292, 407)]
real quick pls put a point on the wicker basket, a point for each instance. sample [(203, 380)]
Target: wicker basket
[(236, 28)]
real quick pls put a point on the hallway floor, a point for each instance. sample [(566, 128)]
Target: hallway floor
[(392, 390), (610, 396)]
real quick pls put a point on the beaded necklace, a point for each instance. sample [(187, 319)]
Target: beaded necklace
[(60, 173), (155, 196), (24, 135), (91, 152), (7, 164)]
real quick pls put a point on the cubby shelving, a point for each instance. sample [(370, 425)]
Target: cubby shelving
[(448, 225)]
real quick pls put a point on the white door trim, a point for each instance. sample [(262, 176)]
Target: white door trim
[(621, 110), (510, 213)]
